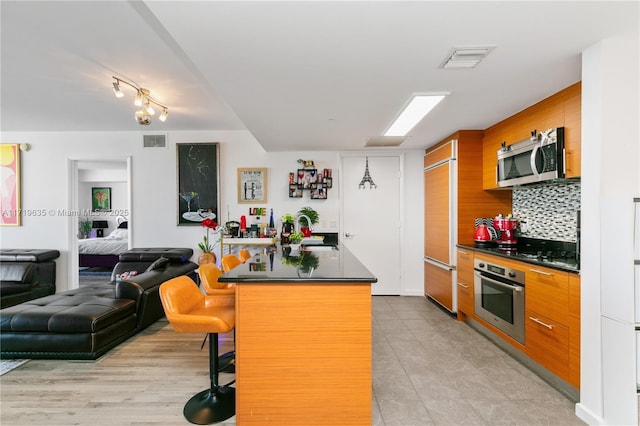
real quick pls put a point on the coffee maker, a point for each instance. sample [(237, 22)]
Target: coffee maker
[(507, 232)]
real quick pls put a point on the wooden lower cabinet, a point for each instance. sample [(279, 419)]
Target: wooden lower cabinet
[(438, 285), (552, 322), (547, 341), (464, 284)]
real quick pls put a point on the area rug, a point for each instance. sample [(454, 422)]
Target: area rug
[(96, 272), (7, 365)]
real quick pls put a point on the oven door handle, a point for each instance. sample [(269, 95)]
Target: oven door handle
[(501, 284)]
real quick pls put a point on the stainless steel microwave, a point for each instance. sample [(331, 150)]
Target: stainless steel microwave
[(532, 160)]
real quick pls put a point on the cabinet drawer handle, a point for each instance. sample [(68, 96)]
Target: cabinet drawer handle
[(464, 253), (462, 285), (540, 272), (550, 327)]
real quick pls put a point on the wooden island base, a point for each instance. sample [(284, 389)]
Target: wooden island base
[(303, 353)]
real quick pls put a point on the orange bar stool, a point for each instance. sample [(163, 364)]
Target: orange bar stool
[(244, 255), (190, 311), (230, 261), (226, 292), (209, 274)]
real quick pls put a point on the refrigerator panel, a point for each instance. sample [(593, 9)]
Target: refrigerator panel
[(636, 229), (636, 285)]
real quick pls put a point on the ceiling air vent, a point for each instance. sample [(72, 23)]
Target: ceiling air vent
[(154, 141), (466, 57), (385, 140)]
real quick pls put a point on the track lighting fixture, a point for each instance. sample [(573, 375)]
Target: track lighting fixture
[(142, 99)]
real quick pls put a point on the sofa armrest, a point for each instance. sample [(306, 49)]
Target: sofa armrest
[(134, 287), (18, 272)]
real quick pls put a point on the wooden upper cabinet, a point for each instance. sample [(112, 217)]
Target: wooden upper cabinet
[(560, 110), (440, 153), (573, 132)]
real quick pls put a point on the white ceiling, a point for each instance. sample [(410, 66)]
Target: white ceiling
[(298, 75)]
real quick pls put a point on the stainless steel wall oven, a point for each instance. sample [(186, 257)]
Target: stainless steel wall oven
[(499, 297)]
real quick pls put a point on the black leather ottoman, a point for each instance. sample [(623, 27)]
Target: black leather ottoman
[(77, 324)]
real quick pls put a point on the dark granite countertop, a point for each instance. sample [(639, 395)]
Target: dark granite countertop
[(572, 267), (324, 264)]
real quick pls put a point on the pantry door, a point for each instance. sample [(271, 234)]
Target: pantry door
[(371, 218)]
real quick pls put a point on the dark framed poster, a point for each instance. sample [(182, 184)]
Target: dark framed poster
[(198, 182)]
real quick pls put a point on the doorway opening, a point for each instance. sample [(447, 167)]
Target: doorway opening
[(100, 195)]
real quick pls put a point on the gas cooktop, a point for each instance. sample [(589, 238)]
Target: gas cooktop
[(559, 254)]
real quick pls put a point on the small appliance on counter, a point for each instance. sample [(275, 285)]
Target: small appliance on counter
[(507, 230), (485, 234)]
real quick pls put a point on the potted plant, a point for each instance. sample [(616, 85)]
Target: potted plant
[(84, 226), (295, 239), (287, 222), (304, 223)]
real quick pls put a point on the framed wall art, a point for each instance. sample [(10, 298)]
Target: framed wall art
[(100, 199), (10, 189), (198, 182), (252, 185)]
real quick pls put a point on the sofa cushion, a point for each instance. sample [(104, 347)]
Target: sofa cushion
[(66, 314), (28, 255), (160, 263)]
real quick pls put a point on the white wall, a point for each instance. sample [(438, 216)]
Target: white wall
[(610, 180), (45, 186)]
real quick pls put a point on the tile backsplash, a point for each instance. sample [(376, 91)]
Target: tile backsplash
[(548, 210)]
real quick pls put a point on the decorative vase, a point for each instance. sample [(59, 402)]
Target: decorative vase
[(306, 231), (206, 258), (295, 247)]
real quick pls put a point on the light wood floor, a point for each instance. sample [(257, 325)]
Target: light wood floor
[(144, 381)]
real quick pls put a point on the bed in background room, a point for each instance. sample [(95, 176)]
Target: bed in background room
[(104, 252)]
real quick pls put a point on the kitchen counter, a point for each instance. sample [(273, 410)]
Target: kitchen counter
[(303, 325), (323, 264), (569, 266)]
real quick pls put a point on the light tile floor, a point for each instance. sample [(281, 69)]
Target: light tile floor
[(429, 369)]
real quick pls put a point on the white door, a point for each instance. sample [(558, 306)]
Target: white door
[(371, 218)]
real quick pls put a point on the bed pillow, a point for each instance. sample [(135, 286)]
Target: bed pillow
[(119, 233)]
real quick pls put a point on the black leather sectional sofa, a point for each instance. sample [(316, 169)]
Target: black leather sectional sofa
[(26, 274), (87, 322)]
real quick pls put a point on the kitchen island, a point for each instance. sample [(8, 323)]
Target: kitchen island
[(303, 338)]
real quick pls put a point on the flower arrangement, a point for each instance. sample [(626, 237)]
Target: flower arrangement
[(205, 246), (288, 218), (296, 237)]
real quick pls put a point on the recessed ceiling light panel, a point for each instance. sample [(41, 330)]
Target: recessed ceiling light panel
[(417, 108)]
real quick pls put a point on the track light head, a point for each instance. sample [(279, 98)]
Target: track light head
[(116, 89), (139, 96), (143, 99), (148, 108)]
